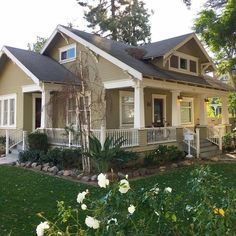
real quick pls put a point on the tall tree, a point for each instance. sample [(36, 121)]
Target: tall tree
[(123, 20), (38, 45)]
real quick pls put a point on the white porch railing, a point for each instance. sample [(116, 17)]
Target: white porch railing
[(161, 134), (195, 143), (215, 135), (14, 136)]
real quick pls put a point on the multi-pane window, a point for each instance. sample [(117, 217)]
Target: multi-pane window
[(127, 108), (71, 111), (186, 109), (67, 53), (8, 111)]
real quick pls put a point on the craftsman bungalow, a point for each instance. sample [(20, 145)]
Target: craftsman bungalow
[(153, 93)]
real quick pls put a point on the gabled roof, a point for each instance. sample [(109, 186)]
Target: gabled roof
[(38, 67), (162, 47)]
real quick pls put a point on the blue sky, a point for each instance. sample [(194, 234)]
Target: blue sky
[(21, 21)]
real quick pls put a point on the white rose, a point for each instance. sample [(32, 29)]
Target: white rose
[(102, 181), (124, 186), (41, 227), (81, 196), (92, 222), (131, 209), (83, 207), (168, 190)]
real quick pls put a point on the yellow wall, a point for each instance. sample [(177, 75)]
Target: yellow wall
[(12, 78)]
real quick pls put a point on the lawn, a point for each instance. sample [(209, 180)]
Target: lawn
[(24, 193)]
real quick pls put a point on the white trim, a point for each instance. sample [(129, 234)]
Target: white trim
[(34, 96), (121, 94), (31, 88), (97, 50), (188, 58), (54, 33), (118, 84), (22, 67), (159, 96), (66, 48), (8, 97), (191, 100)]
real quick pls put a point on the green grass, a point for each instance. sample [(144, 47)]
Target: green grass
[(24, 193)]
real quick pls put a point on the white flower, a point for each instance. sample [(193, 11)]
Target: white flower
[(188, 208), (126, 176), (156, 213), (112, 220), (155, 190), (41, 227), (92, 222), (168, 190), (131, 209), (124, 186), (81, 196), (102, 180), (83, 207)]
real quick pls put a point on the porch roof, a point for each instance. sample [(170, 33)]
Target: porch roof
[(42, 67), (124, 51)]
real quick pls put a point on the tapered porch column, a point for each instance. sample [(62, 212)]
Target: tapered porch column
[(224, 111), (202, 109), (175, 108), (46, 113), (139, 116)]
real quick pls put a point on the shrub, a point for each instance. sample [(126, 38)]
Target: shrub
[(163, 154), (227, 142), (38, 141), (2, 140), (30, 155)]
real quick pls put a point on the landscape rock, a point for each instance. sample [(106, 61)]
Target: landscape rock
[(13, 163), (53, 170), (17, 163), (142, 171), (85, 178), (38, 167), (121, 175), (34, 164), (74, 172), (151, 171), (28, 164), (162, 168), (111, 176), (94, 178), (135, 173), (67, 173), (46, 165), (214, 158), (79, 176), (185, 163), (60, 173), (174, 165), (22, 164), (45, 168)]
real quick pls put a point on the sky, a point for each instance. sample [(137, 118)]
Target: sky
[(22, 21)]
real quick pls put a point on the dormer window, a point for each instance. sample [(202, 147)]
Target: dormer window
[(67, 53), (183, 63)]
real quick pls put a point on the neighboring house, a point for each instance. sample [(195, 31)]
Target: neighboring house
[(153, 92)]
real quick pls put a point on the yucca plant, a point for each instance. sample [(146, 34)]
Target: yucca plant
[(102, 155)]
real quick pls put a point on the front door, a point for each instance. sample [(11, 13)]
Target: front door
[(158, 112), (38, 106)]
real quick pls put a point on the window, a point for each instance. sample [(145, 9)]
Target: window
[(183, 63), (8, 111), (126, 108), (71, 111), (84, 110), (186, 110), (67, 53)]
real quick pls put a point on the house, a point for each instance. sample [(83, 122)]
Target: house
[(150, 94)]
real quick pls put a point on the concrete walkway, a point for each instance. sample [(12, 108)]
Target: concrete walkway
[(10, 158)]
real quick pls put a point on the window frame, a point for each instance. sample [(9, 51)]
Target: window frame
[(191, 100), (124, 94), (8, 98), (65, 49), (185, 57)]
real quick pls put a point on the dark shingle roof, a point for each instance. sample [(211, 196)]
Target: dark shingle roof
[(43, 67), (121, 51), (162, 47)]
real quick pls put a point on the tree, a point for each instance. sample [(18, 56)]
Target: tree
[(36, 47), (216, 26), (123, 20)]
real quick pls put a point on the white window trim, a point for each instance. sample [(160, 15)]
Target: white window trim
[(65, 48), (87, 94), (34, 96), (122, 94), (188, 58), (188, 99), (159, 96), (8, 97)]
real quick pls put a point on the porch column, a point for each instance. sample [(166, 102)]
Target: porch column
[(46, 114), (175, 108), (224, 110), (202, 110), (139, 116)]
